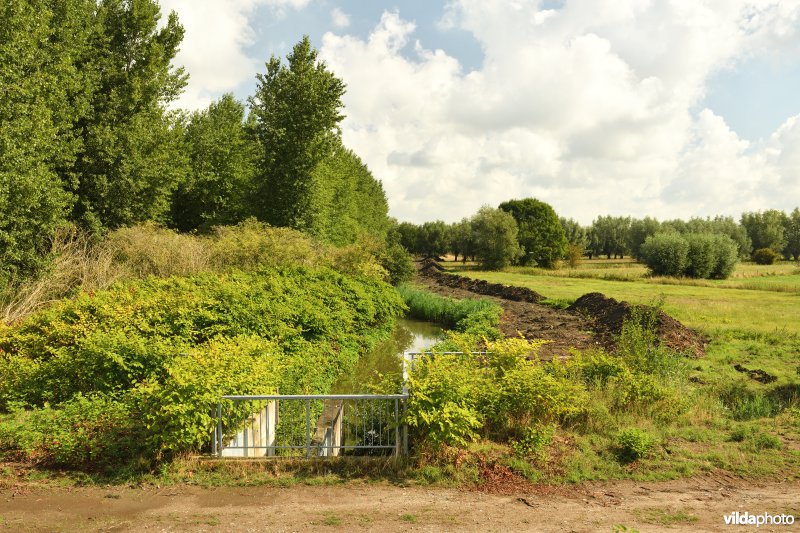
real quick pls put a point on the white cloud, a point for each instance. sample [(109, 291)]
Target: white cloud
[(213, 48), (339, 18), (589, 107)]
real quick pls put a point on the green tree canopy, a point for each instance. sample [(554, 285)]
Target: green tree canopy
[(132, 157), (32, 200), (496, 238), (609, 236), (433, 239), (638, 232), (792, 234), (462, 239), (766, 229), (345, 199), (221, 157), (574, 232), (540, 233), (297, 109), (723, 226)]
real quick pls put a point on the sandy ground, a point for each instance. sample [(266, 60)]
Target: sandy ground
[(685, 505)]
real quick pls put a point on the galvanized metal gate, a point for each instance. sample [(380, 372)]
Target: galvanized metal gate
[(317, 425)]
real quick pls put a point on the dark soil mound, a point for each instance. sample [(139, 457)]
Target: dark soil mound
[(432, 270), (609, 315), (426, 264)]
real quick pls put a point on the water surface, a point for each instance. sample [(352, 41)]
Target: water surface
[(387, 357)]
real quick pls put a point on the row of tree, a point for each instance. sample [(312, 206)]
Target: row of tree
[(621, 236), (87, 137), (542, 238), (518, 231)]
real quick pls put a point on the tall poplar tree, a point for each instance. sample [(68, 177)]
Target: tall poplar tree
[(297, 109), (132, 157), (221, 156), (32, 200)]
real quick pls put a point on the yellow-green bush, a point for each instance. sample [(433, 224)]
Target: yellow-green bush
[(164, 351)]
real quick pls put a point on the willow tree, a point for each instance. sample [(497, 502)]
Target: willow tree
[(541, 235)]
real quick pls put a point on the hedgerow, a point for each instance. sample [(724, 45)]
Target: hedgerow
[(508, 395)]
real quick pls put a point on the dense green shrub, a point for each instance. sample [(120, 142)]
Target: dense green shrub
[(701, 256), (452, 396), (508, 395), (666, 254), (726, 255), (527, 393), (533, 441), (447, 394), (633, 444), (696, 255), (98, 433), (766, 256), (397, 262), (81, 263), (166, 349)]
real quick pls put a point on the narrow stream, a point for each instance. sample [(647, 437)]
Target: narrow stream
[(387, 357)]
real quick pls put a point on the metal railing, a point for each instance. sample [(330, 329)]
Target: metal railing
[(325, 425)]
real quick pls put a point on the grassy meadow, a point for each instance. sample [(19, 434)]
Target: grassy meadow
[(752, 319), (759, 299)]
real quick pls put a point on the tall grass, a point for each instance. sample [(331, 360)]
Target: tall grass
[(448, 312), (81, 262), (78, 262)]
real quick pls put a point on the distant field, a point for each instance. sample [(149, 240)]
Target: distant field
[(757, 298)]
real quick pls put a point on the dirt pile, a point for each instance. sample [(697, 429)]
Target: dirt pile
[(432, 270), (609, 315)]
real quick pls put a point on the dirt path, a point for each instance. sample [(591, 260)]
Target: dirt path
[(564, 329), (685, 505)]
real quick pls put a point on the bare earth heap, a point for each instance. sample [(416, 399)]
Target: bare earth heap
[(593, 320)]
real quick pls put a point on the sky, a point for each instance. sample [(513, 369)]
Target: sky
[(666, 108)]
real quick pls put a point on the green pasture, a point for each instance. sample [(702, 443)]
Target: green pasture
[(762, 299)]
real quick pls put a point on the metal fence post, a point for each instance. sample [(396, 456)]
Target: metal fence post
[(218, 441), (308, 428), (405, 428), (396, 427)]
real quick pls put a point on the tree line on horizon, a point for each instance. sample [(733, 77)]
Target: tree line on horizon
[(88, 138), (529, 232)]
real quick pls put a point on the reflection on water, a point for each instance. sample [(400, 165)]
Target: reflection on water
[(387, 357)]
